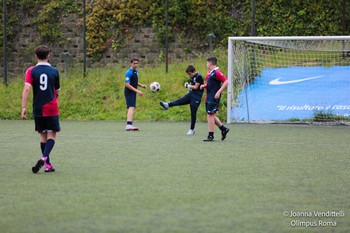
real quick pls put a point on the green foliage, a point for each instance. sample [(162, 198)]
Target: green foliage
[(48, 19), (302, 18), (12, 20), (328, 116), (110, 22)]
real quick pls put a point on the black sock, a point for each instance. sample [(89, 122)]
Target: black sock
[(211, 134), (42, 147), (129, 122), (48, 147), (222, 127)]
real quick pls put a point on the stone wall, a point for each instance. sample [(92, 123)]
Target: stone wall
[(143, 44)]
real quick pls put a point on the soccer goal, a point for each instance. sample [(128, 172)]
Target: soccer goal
[(297, 79)]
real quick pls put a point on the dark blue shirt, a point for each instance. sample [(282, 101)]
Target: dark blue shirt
[(45, 82), (132, 77), (197, 79)]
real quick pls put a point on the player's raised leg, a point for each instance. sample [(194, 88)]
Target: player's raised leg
[(164, 105)]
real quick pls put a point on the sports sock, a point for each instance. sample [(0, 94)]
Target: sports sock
[(211, 134), (129, 122), (42, 146), (48, 147), (222, 127)]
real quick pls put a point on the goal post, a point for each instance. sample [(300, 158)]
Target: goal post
[(288, 79)]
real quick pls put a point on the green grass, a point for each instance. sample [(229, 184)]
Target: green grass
[(160, 180), (100, 96)]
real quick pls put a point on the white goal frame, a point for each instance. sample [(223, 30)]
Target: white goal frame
[(231, 57)]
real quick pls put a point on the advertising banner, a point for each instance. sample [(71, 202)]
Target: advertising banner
[(295, 93)]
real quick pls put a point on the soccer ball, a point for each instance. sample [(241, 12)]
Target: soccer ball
[(155, 87)]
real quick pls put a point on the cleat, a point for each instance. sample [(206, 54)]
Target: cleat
[(208, 139), (38, 165), (49, 168), (131, 128), (223, 133), (164, 105), (191, 132)]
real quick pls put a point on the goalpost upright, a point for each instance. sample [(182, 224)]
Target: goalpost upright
[(249, 57)]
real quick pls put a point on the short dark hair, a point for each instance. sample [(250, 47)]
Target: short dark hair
[(134, 59), (212, 60), (190, 69), (42, 52)]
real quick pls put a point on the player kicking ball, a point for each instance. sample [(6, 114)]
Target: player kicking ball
[(193, 97), (46, 84), (216, 82)]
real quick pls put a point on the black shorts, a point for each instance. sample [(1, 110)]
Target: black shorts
[(212, 107), (130, 100), (47, 124)]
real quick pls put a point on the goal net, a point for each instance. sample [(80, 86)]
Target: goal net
[(299, 79)]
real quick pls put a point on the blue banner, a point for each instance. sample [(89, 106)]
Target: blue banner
[(295, 93)]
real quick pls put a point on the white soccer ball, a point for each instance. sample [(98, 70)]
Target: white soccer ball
[(155, 87)]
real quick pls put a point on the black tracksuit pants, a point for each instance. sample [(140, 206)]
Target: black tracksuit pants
[(193, 100)]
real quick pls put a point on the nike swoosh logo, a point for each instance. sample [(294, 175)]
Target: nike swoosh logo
[(278, 82)]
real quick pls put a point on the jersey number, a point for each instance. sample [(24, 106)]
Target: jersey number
[(43, 82)]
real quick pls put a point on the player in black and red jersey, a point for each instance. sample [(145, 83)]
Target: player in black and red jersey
[(216, 82), (46, 85)]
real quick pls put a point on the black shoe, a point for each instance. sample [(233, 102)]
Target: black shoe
[(223, 133), (164, 105), (38, 165), (209, 139)]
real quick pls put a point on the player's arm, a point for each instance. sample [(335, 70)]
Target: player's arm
[(223, 87), (189, 86), (128, 85), (25, 94), (195, 86), (221, 77), (142, 85), (57, 85), (199, 80), (203, 86)]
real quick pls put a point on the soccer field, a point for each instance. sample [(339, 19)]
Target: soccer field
[(262, 178)]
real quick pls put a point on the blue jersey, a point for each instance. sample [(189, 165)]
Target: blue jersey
[(46, 83), (132, 77)]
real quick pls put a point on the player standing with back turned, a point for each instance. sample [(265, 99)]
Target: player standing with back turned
[(214, 79), (46, 84)]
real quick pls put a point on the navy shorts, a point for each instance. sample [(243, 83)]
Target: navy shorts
[(212, 107), (130, 100), (47, 124)]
